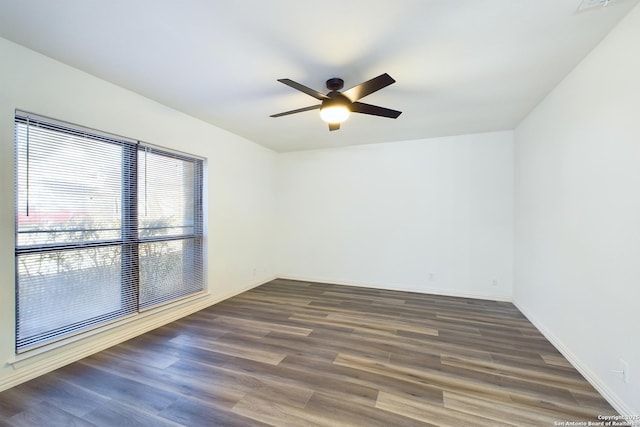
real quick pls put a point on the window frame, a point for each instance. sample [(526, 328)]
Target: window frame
[(129, 240)]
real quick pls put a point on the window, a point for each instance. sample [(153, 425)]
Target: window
[(105, 228)]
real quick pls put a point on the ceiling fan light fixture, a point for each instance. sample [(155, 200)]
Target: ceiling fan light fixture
[(334, 113)]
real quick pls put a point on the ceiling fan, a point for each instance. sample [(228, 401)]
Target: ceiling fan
[(336, 105)]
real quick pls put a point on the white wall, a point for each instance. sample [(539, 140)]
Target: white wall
[(578, 214), (240, 188), (432, 215)]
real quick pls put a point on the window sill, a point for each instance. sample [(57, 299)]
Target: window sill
[(130, 327)]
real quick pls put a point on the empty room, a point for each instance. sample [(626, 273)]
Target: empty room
[(337, 213)]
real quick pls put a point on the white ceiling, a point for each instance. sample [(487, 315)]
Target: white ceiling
[(461, 66)]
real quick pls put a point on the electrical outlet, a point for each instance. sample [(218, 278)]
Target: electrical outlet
[(625, 371), (494, 282), (432, 277)]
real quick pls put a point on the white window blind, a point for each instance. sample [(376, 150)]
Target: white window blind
[(105, 227), (170, 226)]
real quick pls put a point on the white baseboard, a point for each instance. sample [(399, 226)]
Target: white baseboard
[(581, 367), (42, 361), (430, 291)]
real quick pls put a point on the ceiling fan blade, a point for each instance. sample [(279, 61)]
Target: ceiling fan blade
[(303, 88), (374, 110), (368, 87), (334, 126), (299, 110)]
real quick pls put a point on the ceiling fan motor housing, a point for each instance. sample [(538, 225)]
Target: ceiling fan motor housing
[(336, 99)]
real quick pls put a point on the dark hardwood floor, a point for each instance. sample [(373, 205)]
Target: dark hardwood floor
[(296, 354)]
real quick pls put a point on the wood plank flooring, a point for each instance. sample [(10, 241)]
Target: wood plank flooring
[(302, 354)]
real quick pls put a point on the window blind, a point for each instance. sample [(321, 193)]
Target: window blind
[(105, 227), (170, 226)]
